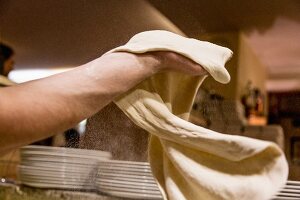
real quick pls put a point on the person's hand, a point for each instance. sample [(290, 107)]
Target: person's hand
[(158, 61), (170, 61), (176, 62)]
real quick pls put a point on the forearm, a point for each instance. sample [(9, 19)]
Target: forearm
[(41, 108)]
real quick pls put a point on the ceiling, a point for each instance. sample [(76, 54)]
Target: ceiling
[(66, 33), (272, 29)]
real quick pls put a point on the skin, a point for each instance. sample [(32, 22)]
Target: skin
[(38, 109)]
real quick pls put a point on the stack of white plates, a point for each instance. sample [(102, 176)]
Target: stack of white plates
[(291, 191), (127, 179), (58, 167)]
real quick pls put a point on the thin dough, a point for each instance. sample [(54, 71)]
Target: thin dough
[(188, 161)]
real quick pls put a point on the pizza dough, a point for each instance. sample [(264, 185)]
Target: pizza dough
[(188, 161), (4, 81)]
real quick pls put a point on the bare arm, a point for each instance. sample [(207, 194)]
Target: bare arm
[(42, 108)]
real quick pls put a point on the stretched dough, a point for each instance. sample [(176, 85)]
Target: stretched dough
[(188, 161)]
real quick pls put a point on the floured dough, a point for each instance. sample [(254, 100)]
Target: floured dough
[(4, 81), (188, 161)]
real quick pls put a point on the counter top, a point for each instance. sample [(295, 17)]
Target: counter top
[(14, 192)]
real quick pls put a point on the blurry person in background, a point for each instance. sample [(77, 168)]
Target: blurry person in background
[(72, 138), (6, 64)]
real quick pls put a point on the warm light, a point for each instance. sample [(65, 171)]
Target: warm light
[(23, 75), (283, 85)]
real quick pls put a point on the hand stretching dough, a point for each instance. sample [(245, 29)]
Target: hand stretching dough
[(188, 161)]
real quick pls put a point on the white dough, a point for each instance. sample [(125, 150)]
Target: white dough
[(188, 161)]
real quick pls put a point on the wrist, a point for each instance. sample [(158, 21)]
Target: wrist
[(152, 62)]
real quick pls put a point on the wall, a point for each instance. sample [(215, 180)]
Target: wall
[(287, 114), (229, 40), (67, 33), (250, 68), (243, 66)]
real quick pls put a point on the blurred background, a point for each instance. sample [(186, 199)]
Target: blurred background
[(261, 101)]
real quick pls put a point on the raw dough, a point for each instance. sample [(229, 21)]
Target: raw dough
[(188, 161)]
